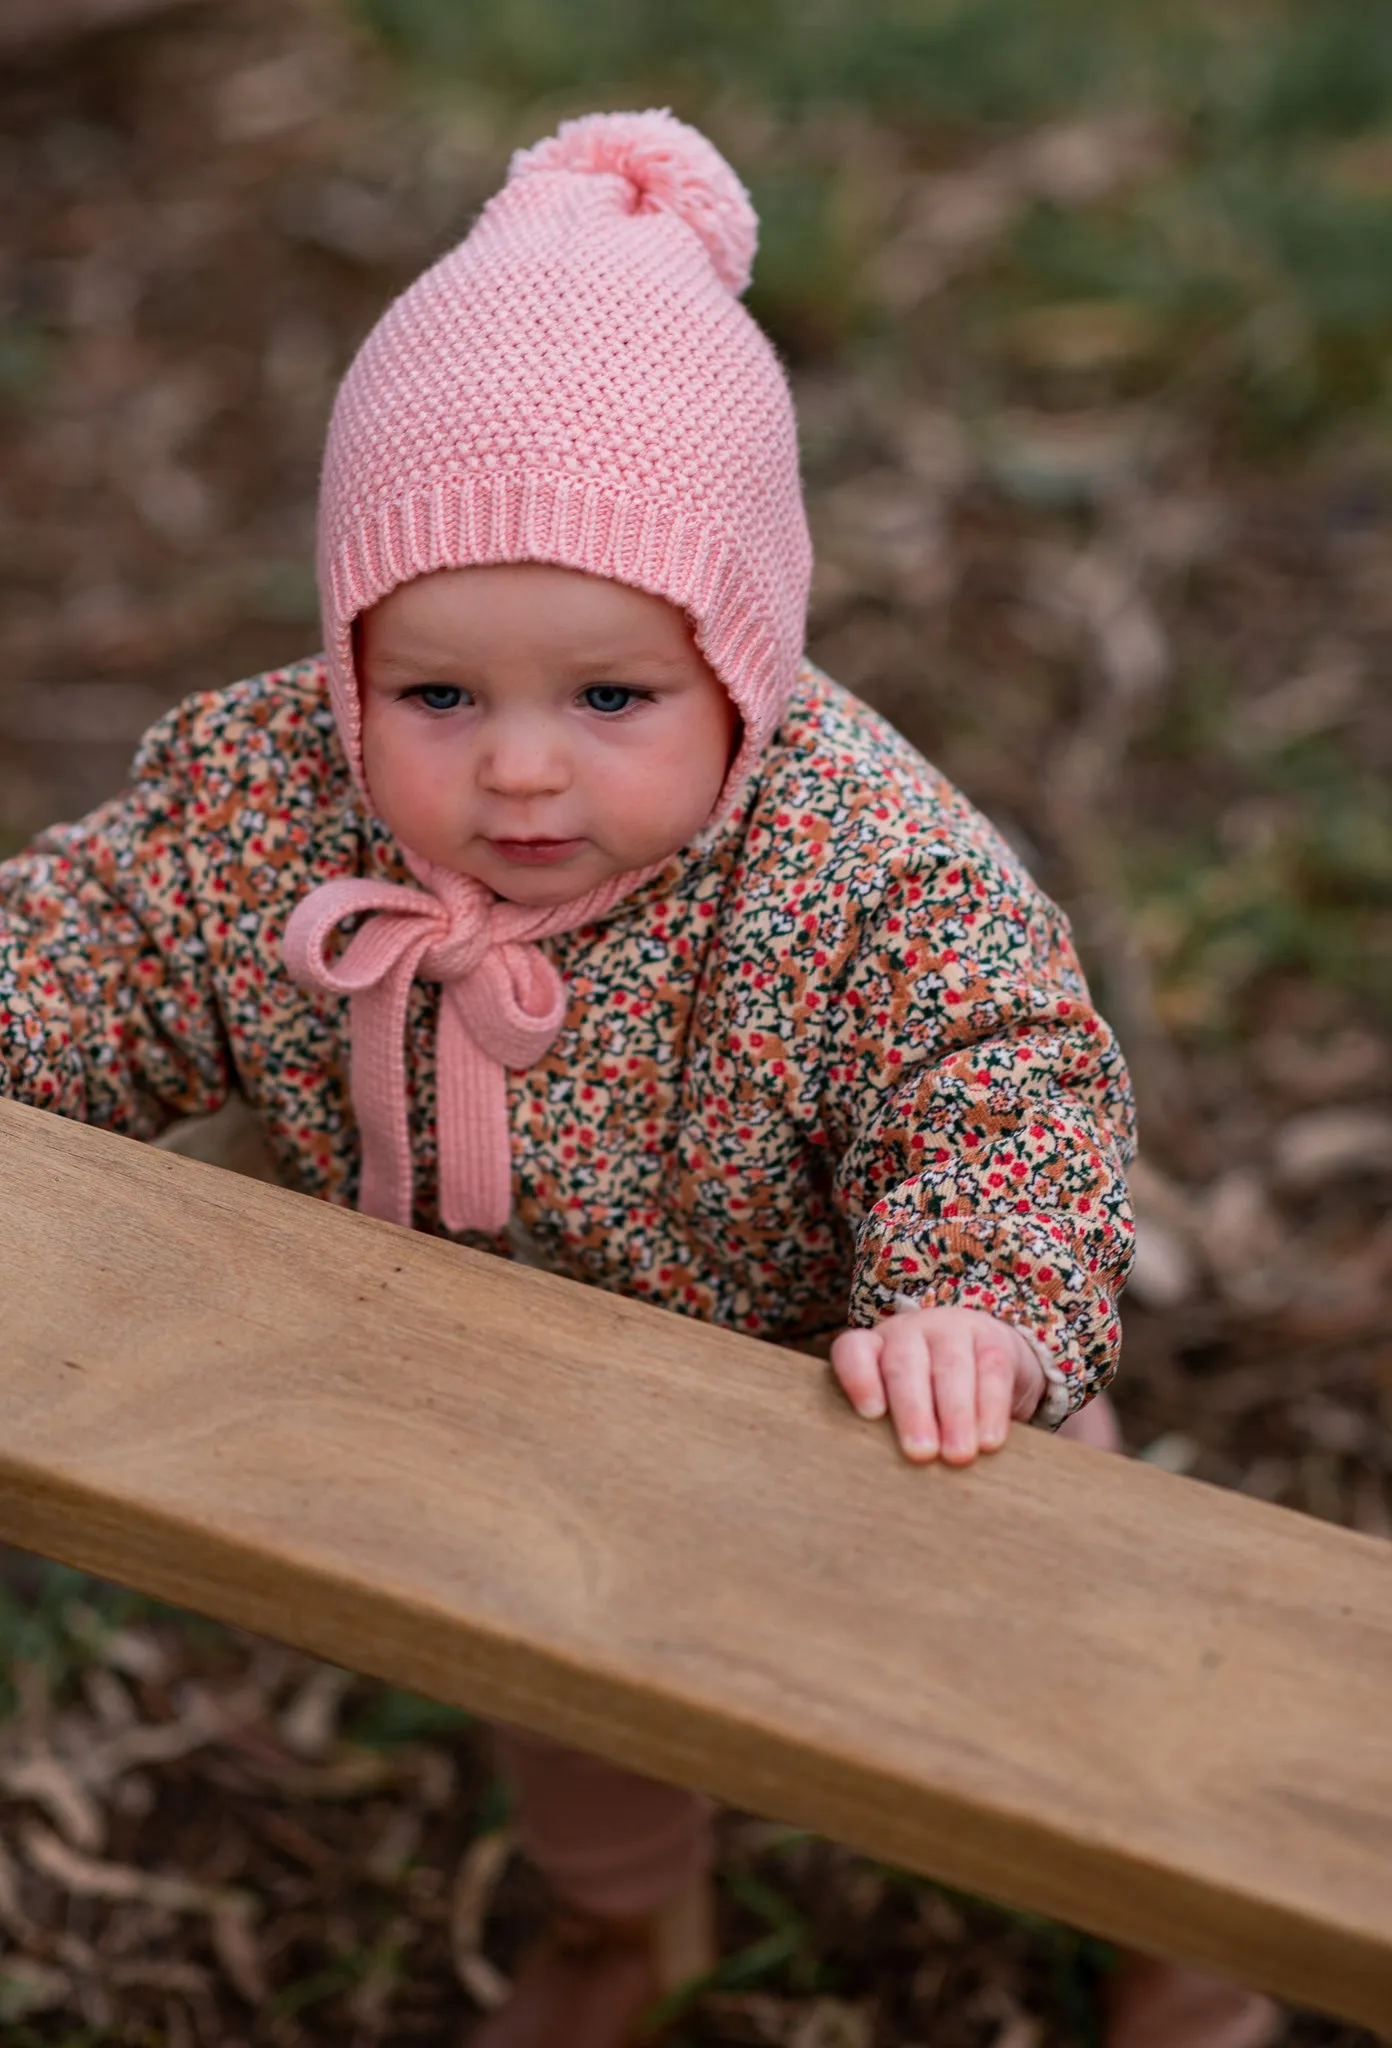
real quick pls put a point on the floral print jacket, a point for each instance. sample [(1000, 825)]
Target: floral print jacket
[(839, 1053)]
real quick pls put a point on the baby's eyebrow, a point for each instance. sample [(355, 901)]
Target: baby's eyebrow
[(638, 664), (388, 664)]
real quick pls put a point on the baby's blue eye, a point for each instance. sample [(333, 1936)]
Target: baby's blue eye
[(440, 696), (609, 697)]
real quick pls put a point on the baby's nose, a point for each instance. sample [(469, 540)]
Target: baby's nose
[(521, 761)]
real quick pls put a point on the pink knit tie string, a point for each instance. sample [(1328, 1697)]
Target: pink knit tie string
[(501, 1005)]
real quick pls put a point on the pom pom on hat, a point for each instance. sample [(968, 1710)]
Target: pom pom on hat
[(671, 168)]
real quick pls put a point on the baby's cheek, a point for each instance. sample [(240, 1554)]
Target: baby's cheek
[(648, 811), (418, 791)]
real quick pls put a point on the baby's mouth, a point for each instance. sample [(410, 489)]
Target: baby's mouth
[(535, 852)]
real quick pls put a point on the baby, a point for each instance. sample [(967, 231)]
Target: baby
[(564, 909)]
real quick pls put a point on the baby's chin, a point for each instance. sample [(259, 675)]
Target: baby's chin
[(538, 888)]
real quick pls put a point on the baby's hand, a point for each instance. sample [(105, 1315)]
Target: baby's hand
[(952, 1379)]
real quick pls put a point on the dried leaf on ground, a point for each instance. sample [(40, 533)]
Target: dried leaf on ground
[(480, 1870), (1327, 1145), (832, 2023), (87, 1877)]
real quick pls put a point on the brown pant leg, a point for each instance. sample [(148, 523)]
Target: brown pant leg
[(1096, 1425), (607, 1841)]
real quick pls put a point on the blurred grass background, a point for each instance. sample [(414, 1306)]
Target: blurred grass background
[(1250, 272)]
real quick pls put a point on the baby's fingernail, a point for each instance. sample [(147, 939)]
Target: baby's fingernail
[(872, 1409), (920, 1447)]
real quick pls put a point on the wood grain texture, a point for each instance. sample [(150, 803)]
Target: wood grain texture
[(1132, 1702)]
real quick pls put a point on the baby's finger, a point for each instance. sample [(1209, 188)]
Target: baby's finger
[(954, 1395), (855, 1359), (906, 1367), (995, 1387)]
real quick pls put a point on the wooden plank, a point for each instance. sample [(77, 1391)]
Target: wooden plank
[(1141, 1705)]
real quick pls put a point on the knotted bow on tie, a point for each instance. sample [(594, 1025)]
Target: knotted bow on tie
[(501, 1005)]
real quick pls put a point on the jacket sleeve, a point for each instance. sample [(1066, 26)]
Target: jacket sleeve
[(982, 1118), (107, 1008)]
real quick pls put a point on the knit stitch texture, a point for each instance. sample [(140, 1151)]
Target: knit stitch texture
[(575, 384), (501, 1005)]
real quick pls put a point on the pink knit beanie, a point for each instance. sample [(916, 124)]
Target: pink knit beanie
[(577, 383)]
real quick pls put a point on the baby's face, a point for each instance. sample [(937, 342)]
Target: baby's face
[(537, 728)]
